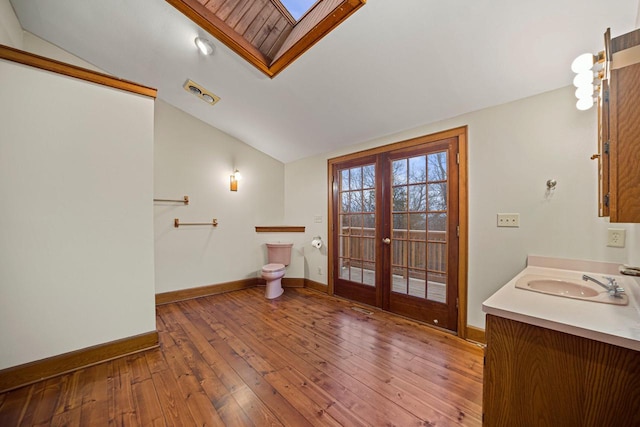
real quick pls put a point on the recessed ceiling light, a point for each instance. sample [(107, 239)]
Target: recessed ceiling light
[(204, 45)]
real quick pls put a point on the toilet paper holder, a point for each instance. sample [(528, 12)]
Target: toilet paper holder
[(316, 242)]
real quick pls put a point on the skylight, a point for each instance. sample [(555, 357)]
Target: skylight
[(269, 34), (297, 8)]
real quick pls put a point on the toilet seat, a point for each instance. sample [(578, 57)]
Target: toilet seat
[(273, 268)]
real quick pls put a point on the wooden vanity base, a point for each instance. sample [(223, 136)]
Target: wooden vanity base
[(539, 377)]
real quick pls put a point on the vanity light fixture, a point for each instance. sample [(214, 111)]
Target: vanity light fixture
[(585, 78), (204, 46), (233, 180)]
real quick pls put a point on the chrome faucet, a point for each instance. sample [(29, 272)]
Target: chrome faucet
[(611, 287)]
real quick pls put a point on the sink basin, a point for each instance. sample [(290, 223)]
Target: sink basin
[(561, 287), (569, 289)]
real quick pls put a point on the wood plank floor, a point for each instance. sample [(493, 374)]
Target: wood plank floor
[(237, 359)]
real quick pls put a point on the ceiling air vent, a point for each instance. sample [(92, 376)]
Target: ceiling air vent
[(200, 92)]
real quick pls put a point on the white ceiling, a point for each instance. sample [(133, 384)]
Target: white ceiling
[(393, 65)]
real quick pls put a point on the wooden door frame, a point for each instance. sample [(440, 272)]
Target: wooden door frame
[(463, 212)]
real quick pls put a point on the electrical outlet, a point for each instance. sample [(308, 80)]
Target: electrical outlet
[(616, 237), (508, 220), (317, 219)]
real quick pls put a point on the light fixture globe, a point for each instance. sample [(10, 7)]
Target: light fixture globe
[(582, 63), (204, 45), (585, 91), (583, 79), (584, 104)]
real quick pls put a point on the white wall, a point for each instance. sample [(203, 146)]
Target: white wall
[(513, 150), (195, 159), (10, 29), (76, 183), (34, 44)]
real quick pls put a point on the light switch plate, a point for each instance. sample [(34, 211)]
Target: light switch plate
[(508, 220)]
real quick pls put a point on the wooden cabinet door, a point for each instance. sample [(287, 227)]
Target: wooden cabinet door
[(624, 148)]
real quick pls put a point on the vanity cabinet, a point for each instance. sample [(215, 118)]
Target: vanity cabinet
[(535, 376), (619, 129)]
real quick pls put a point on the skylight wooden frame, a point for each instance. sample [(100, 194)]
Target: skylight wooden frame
[(206, 19)]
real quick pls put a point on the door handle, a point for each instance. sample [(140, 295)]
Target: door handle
[(386, 240)]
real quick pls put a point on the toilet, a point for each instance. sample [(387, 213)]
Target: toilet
[(278, 256)]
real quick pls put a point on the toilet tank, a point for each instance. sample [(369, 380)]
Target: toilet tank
[(279, 253)]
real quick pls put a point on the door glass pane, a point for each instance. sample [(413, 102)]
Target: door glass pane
[(368, 260), (355, 180), (344, 224), (369, 222), (417, 283), (399, 253), (356, 201), (417, 254), (437, 166), (418, 222), (417, 197), (437, 257), (344, 205), (399, 223), (354, 250), (417, 170), (356, 273), (438, 197), (369, 201), (437, 222), (399, 199), (399, 172), (344, 268), (437, 287), (399, 282), (369, 176), (342, 246), (344, 179), (356, 224)]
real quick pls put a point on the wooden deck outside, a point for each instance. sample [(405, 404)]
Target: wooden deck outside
[(238, 359)]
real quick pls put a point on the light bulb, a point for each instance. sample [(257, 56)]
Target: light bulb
[(582, 63), (204, 45), (583, 79), (584, 104), (236, 175), (584, 91)]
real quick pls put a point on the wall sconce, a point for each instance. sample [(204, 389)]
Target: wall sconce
[(233, 180), (585, 78)]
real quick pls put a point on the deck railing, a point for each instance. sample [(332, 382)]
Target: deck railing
[(417, 250)]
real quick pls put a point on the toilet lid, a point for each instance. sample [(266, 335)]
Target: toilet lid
[(272, 268)]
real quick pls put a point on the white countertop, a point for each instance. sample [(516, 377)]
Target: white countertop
[(613, 324)]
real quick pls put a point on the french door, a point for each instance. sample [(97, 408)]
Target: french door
[(394, 237)]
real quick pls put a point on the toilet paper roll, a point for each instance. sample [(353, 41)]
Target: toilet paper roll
[(316, 243)]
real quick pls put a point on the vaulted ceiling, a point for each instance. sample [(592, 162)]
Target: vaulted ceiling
[(390, 66)]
